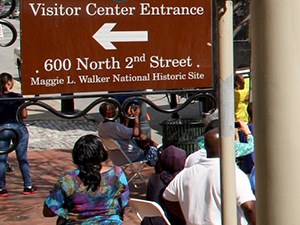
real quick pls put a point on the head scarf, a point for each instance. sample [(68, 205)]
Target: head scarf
[(172, 161)]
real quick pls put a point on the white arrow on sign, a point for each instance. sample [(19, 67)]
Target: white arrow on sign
[(104, 36)]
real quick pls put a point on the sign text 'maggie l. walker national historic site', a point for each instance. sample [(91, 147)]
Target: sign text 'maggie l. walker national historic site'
[(83, 46)]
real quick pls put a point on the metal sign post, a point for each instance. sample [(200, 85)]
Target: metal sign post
[(229, 209)]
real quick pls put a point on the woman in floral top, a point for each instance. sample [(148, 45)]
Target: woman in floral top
[(94, 193)]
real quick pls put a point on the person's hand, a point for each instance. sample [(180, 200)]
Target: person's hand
[(236, 135), (137, 112), (134, 111), (143, 137), (129, 111)]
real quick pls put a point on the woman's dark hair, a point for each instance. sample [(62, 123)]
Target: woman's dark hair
[(104, 107), (4, 78), (88, 153)]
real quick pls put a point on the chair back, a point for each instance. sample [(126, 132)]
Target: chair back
[(110, 144), (115, 153), (119, 158), (145, 208)]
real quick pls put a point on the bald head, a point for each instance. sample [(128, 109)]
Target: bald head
[(212, 143)]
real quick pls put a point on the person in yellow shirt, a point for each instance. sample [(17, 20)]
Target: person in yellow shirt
[(241, 98)]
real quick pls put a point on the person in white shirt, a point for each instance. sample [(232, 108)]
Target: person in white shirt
[(195, 193)]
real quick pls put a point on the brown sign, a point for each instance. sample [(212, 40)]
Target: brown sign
[(71, 46)]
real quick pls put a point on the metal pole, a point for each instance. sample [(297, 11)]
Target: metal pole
[(276, 78), (229, 206), (67, 105), (173, 105)]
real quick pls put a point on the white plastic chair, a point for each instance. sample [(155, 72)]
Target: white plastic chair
[(119, 158), (145, 208)]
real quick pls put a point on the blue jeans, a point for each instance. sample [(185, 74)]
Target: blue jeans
[(21, 152)]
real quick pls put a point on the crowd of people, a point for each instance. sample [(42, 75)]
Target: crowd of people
[(187, 187)]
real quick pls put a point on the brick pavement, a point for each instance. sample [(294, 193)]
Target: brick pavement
[(54, 134), (50, 142), (49, 152), (46, 166)]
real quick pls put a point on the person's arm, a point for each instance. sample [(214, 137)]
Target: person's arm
[(24, 113), (244, 127), (247, 98), (170, 195), (144, 137), (123, 199), (125, 192), (47, 212), (126, 119), (236, 135), (175, 208), (55, 201), (242, 149), (249, 209), (246, 200), (136, 127)]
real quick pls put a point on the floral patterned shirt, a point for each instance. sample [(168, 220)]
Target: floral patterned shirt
[(241, 149), (70, 199)]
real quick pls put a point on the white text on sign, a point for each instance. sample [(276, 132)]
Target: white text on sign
[(92, 9)]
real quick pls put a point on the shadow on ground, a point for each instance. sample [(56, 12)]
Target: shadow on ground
[(46, 166)]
